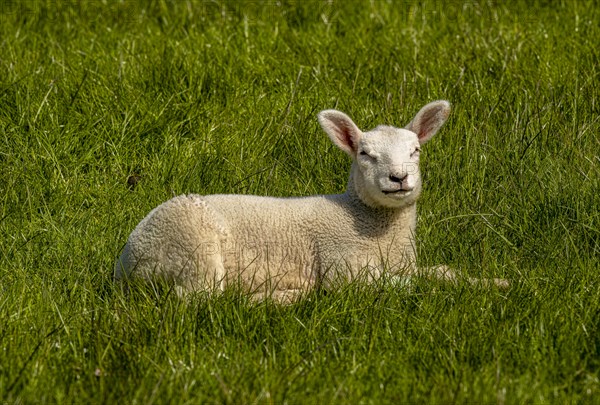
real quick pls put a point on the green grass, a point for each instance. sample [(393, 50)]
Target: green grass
[(221, 97)]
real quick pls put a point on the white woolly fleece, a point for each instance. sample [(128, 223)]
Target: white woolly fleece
[(283, 246)]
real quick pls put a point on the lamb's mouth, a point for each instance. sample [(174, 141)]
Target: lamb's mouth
[(400, 191)]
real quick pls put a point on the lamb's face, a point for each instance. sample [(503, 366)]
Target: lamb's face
[(386, 169), (385, 172)]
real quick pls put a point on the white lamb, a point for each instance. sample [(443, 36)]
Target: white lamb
[(284, 246)]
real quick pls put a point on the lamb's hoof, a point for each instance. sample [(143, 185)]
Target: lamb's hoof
[(501, 283)]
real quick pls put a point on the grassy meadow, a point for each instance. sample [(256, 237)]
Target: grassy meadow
[(221, 97)]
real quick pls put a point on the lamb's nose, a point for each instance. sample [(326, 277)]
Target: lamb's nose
[(396, 179)]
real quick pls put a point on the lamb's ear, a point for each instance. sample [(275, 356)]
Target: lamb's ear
[(341, 129), (429, 120)]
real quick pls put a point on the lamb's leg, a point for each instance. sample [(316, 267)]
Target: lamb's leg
[(284, 297), (180, 241), (443, 272), (210, 279), (204, 271)]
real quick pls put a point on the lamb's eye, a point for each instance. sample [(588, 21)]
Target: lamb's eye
[(415, 153), (367, 155)]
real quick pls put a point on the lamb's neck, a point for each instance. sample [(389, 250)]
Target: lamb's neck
[(356, 192)]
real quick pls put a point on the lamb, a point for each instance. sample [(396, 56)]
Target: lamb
[(281, 247)]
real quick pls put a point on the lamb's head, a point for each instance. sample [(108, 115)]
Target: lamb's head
[(385, 171)]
